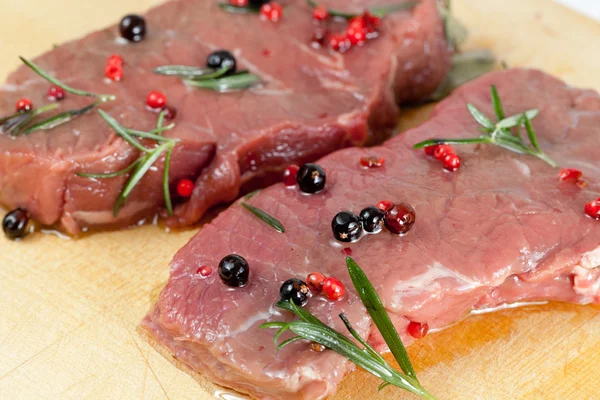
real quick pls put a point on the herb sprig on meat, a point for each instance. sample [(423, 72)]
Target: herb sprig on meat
[(311, 328), (505, 133)]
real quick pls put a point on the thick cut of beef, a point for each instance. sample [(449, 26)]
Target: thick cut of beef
[(502, 229), (313, 101)]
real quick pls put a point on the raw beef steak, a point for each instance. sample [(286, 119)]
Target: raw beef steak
[(501, 229), (313, 101)]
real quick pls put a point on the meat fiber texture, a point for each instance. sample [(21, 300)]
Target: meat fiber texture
[(314, 101), (502, 229)]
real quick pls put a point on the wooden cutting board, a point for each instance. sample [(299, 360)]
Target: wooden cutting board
[(69, 309)]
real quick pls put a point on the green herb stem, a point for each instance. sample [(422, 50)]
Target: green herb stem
[(59, 119), (500, 133), (226, 84), (379, 11), (102, 97), (265, 217), (311, 328)]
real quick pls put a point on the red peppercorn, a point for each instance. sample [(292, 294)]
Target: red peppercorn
[(357, 23), (371, 23), (346, 251), (238, 3), (185, 188), (114, 72), (56, 93), (289, 175), (441, 151), (339, 43), (156, 99), (429, 150), (315, 281), (400, 218), (372, 162), (170, 113), (357, 35), (417, 330), (592, 209), (333, 288), (115, 59), (570, 175), (204, 271), (271, 11), (320, 13), (385, 205), (24, 105), (451, 162)]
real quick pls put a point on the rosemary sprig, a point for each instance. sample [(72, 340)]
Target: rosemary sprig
[(379, 11), (15, 123), (311, 328), (239, 81), (189, 72), (500, 133), (102, 97), (140, 166), (59, 119), (265, 217)]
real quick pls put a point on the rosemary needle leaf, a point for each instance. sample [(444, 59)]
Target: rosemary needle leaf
[(226, 84), (322, 335), (153, 134), (122, 132), (383, 386), (188, 72), (265, 217), (288, 341), (379, 11), (356, 336), (433, 142), (480, 117), (531, 133), (17, 122), (160, 120), (103, 97), (380, 317), (166, 192), (236, 9), (251, 194), (497, 103), (516, 120), (59, 119), (110, 174), (143, 167)]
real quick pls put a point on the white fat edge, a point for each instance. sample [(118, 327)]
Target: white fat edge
[(335, 60), (506, 306), (591, 259), (254, 69), (261, 316), (55, 233), (10, 87), (428, 281), (121, 41), (585, 283), (346, 119), (523, 168), (223, 395)]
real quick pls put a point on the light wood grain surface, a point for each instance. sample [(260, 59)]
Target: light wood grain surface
[(69, 309)]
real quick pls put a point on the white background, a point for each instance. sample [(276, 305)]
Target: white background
[(591, 8)]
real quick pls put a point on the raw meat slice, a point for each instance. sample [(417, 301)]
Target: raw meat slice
[(314, 101), (502, 229)]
